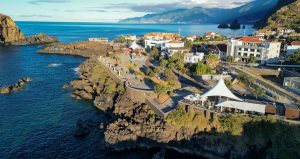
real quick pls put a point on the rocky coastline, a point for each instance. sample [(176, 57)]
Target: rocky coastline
[(84, 48), (132, 125), (135, 126), (15, 87), (10, 34)]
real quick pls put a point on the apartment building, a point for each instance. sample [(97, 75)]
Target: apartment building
[(242, 48)]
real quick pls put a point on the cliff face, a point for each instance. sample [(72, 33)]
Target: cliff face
[(10, 34), (285, 14), (9, 31)]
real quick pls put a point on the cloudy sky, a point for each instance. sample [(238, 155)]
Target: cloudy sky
[(99, 10)]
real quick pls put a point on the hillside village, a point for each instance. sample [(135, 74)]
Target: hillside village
[(249, 75)]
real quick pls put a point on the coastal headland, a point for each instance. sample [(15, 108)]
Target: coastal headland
[(10, 34), (134, 125)]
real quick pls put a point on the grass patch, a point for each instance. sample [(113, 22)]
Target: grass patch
[(98, 74)]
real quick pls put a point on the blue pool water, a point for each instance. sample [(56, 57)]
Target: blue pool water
[(38, 121)]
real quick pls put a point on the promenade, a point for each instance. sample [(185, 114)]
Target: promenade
[(136, 91), (267, 85)]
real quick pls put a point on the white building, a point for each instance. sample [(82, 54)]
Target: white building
[(192, 38), (265, 33), (211, 35), (193, 57), (284, 31), (162, 40), (130, 37), (98, 39), (174, 44), (291, 49), (242, 48)]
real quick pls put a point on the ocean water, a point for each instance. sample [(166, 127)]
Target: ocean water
[(39, 121)]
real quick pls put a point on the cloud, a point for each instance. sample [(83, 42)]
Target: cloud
[(35, 16), (85, 10), (97, 10), (38, 2), (161, 7)]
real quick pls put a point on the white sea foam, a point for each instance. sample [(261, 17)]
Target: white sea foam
[(54, 65), (76, 69)]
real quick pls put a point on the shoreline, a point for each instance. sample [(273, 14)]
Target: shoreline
[(201, 133)]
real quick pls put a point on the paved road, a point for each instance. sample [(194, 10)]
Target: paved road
[(265, 83)]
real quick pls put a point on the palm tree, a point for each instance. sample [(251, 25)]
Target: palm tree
[(258, 92)]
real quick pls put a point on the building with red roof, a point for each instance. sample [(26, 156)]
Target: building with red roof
[(243, 47)]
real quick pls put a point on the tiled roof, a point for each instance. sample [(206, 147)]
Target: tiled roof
[(250, 39), (295, 43)]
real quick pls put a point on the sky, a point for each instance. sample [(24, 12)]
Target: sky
[(100, 10)]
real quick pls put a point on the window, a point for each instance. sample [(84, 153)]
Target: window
[(245, 54), (258, 55), (240, 49), (239, 53), (252, 50), (245, 49)]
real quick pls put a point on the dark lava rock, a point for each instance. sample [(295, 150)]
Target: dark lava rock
[(223, 26)]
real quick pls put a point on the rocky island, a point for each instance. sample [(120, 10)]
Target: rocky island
[(10, 34), (15, 87)]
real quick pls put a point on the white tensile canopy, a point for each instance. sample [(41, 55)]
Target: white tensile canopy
[(135, 46), (220, 90), (260, 108)]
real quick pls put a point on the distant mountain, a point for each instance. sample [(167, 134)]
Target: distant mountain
[(285, 14), (248, 13)]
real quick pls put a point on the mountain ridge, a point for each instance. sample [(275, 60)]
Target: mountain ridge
[(248, 13)]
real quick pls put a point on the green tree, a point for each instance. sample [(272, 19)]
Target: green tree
[(201, 69), (295, 58), (160, 89), (258, 92), (228, 83), (163, 63), (187, 43), (154, 53), (252, 59), (212, 60), (171, 65), (121, 39), (230, 59), (168, 73), (156, 71)]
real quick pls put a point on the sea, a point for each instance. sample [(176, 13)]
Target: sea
[(40, 120)]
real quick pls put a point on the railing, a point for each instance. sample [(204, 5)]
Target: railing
[(268, 85), (155, 108)]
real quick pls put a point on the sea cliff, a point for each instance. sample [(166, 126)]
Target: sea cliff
[(133, 125), (10, 34)]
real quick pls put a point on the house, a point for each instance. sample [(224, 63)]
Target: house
[(192, 38), (242, 48), (136, 48), (133, 48), (211, 35), (265, 33), (193, 57), (173, 50), (284, 31), (174, 44), (222, 51), (162, 40), (130, 37), (99, 39), (291, 49)]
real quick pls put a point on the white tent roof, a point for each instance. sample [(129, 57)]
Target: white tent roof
[(134, 46), (260, 108), (220, 90)]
